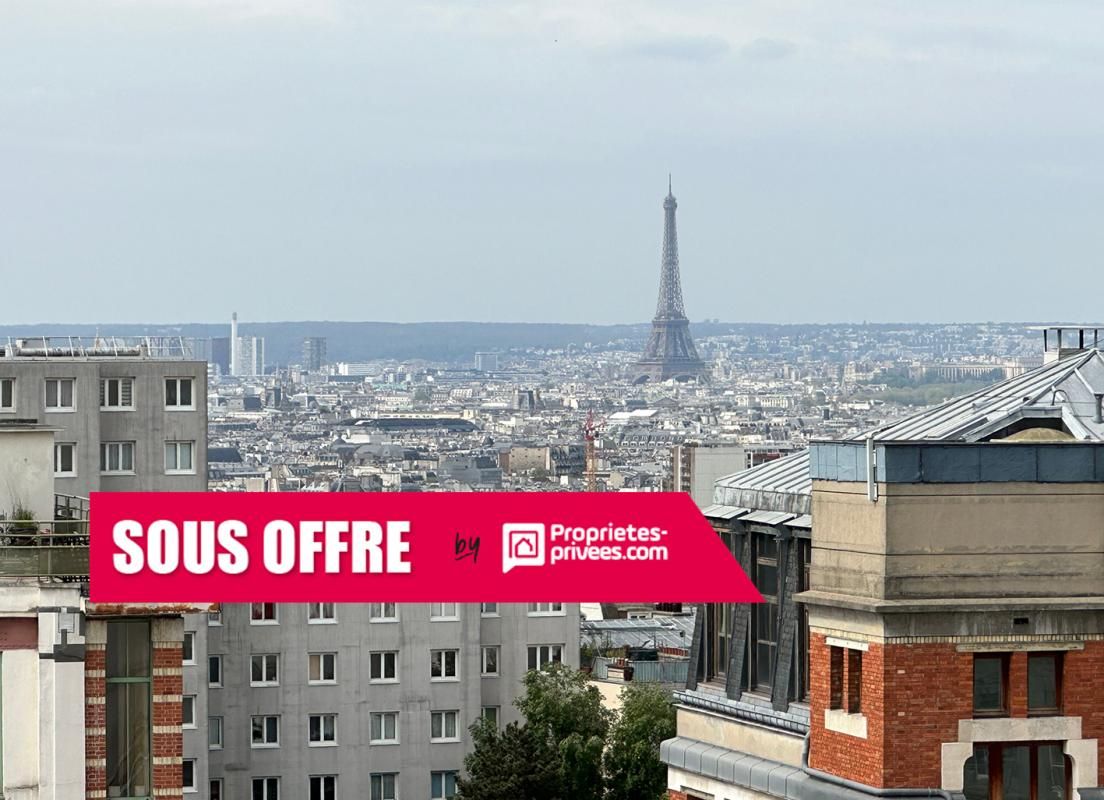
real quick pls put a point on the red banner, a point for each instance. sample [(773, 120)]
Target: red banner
[(394, 547)]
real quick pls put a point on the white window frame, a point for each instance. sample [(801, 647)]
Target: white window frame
[(105, 394), (444, 773), (445, 676), (265, 743), (378, 612), (263, 620), (322, 779), (269, 782), (559, 648), (179, 406), (120, 447), (440, 719), (215, 724), (189, 636), (322, 741), (546, 610), (382, 717), (185, 786), (484, 715), (214, 619), (495, 652), (322, 680), (265, 660), (10, 391), (58, 448), (60, 409), (172, 464), (316, 613), (217, 658), (382, 658), (379, 778), (185, 701), (444, 612), (488, 609)]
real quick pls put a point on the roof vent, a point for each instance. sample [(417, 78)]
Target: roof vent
[(1060, 341)]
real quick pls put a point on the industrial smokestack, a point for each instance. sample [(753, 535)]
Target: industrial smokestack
[(234, 343)]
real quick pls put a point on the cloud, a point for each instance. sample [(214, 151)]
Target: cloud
[(764, 49), (680, 48)]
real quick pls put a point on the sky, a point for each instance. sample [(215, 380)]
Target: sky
[(175, 160)]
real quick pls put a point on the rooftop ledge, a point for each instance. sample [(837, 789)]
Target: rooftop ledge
[(945, 605)]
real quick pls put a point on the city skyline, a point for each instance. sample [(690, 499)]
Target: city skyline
[(507, 160)]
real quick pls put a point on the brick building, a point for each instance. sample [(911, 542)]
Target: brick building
[(935, 614)]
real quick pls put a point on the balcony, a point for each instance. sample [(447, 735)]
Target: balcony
[(54, 551)]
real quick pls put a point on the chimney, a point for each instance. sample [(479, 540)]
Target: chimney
[(1098, 417)]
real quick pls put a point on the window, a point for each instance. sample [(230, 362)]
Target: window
[(266, 731), (59, 394), (854, 681), (764, 616), (65, 459), (442, 785), (117, 394), (264, 669), (1044, 672), (490, 661), (321, 612), (178, 393), (266, 789), (845, 678), (189, 647), (214, 671), (188, 771), (541, 655), (127, 708), (442, 611), (835, 666), (216, 789), (444, 665), (545, 608), (383, 786), (187, 711), (322, 729), (991, 685), (262, 614), (323, 787), (488, 609), (214, 618), (117, 457), (383, 612), (382, 666), (384, 728), (180, 458), (7, 394), (214, 733), (490, 713), (322, 668), (1017, 771), (443, 726)]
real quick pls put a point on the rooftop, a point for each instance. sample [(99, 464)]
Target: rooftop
[(90, 348)]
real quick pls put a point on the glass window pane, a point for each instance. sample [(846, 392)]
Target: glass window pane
[(1052, 772), (975, 784), (1042, 682), (170, 397), (1017, 772), (988, 680), (186, 392)]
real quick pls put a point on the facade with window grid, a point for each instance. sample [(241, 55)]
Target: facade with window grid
[(373, 700), (946, 615)]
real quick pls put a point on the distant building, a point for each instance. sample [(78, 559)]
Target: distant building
[(314, 353), (486, 362), (251, 356), (696, 467)]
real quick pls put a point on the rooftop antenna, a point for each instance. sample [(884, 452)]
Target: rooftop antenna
[(669, 191)]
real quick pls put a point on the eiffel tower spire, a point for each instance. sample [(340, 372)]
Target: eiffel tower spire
[(670, 352)]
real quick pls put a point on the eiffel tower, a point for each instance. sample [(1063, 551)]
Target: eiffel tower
[(670, 352)]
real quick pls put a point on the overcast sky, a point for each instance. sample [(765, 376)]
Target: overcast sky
[(173, 160)]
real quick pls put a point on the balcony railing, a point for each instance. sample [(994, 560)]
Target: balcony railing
[(47, 549)]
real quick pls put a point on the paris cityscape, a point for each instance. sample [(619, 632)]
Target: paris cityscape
[(821, 274)]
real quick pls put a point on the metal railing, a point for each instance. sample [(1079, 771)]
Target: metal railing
[(68, 347), (672, 671), (55, 550)]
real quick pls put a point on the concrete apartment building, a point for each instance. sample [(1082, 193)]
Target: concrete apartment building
[(934, 623), (324, 700), (90, 695)]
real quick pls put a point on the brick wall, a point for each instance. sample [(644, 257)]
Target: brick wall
[(95, 734), (168, 707), (1083, 690)]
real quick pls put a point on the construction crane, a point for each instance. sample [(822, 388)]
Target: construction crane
[(590, 433)]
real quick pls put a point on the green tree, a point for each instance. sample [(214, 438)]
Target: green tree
[(632, 765), (516, 763), (562, 701)]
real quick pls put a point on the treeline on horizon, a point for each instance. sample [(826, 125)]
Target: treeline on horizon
[(454, 342)]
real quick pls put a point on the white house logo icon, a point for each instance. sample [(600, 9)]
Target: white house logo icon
[(522, 545)]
